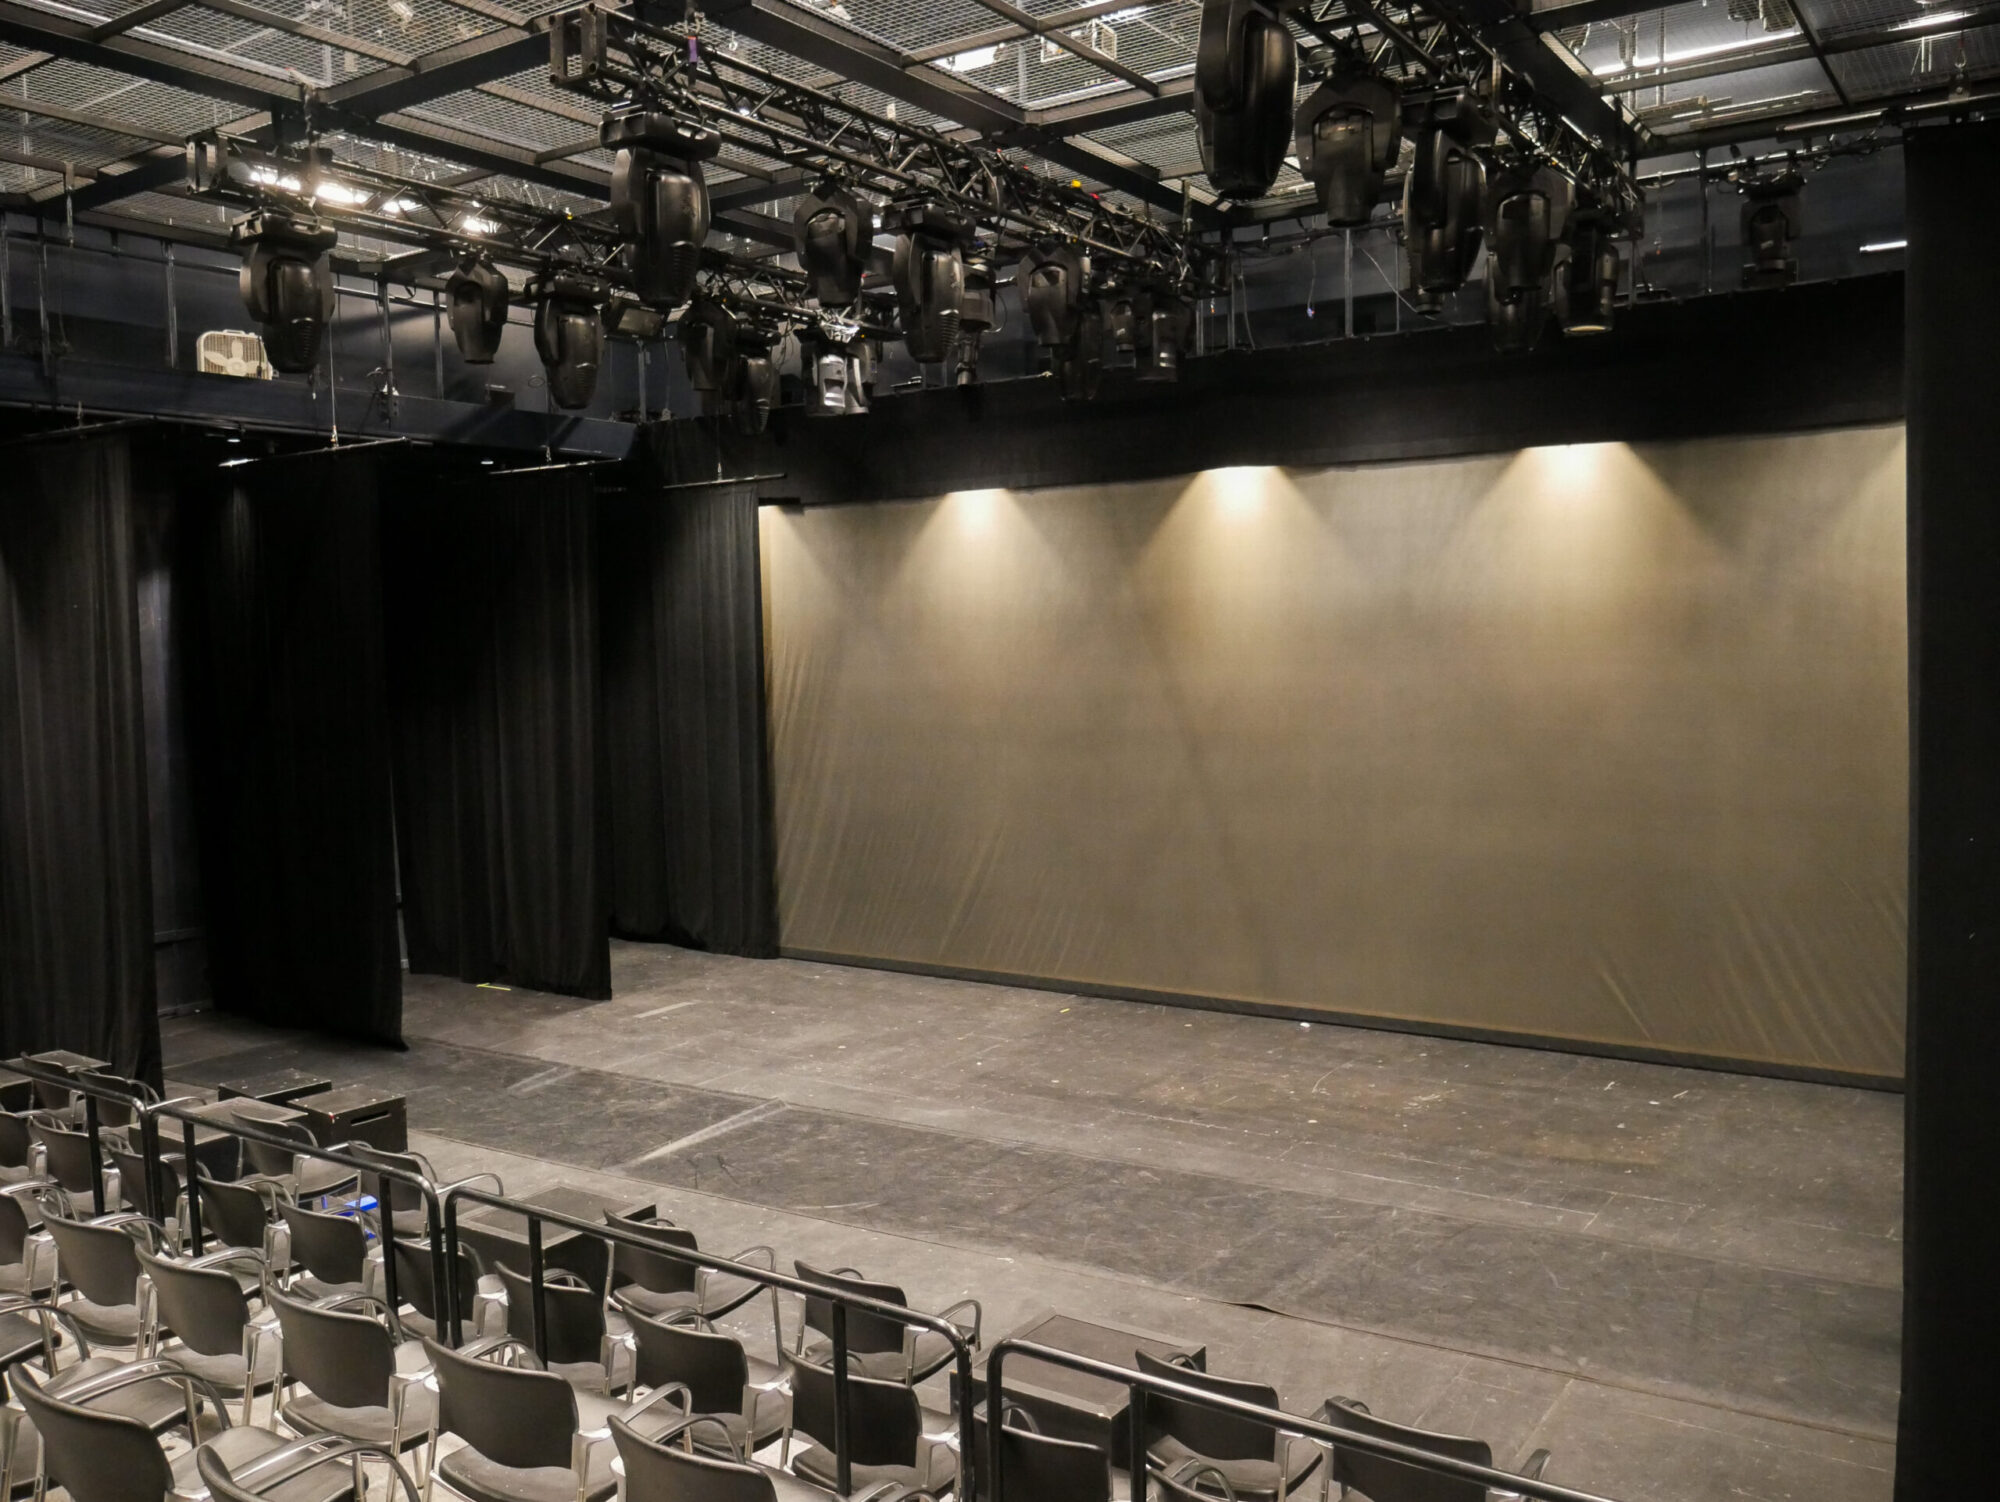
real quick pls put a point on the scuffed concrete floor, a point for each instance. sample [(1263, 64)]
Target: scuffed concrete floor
[(1685, 1284)]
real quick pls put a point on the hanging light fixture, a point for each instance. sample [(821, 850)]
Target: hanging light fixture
[(709, 334), (1164, 328), (1349, 132), (1585, 284), (569, 335), (976, 317), (833, 231), (476, 297), (287, 283), (1771, 222), (659, 199), (1442, 198), (1245, 76), (929, 274)]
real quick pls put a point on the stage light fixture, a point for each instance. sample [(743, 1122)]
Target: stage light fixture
[(929, 275), (659, 199), (977, 315), (753, 383), (287, 283), (1526, 214), (1771, 222), (833, 231), (708, 335), (1348, 134), (1585, 282), (476, 297), (1052, 279), (569, 335), (1443, 197), (1164, 324), (1516, 323), (1245, 79), (1121, 322)]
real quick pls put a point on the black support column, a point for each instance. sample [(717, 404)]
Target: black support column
[(1951, 1299)]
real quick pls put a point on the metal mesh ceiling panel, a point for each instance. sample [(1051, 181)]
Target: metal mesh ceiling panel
[(1932, 63), (82, 146), (100, 91)]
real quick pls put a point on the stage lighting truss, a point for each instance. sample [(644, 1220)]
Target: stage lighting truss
[(909, 173), (485, 236), (1432, 51)]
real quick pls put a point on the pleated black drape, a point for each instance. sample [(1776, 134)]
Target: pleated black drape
[(289, 743), (1951, 1297), (492, 612), (686, 761), (76, 905)]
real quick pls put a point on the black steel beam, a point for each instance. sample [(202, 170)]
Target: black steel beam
[(1586, 13), (1521, 48), (25, 26), (468, 145), (817, 39), (161, 167), (1118, 107), (1006, 10), (463, 65)]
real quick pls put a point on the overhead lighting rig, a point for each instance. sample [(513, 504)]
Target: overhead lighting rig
[(583, 275)]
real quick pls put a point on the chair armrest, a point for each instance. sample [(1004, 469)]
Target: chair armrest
[(29, 1186), (959, 1308), (684, 1432), (152, 1369), (581, 1444), (271, 1470), (494, 1345), (46, 1311), (769, 1254), (230, 1254), (1537, 1463), (468, 1181), (660, 1394)]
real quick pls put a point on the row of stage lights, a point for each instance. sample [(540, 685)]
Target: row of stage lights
[(1549, 233)]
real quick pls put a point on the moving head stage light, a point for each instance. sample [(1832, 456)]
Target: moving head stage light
[(476, 297), (1444, 196), (929, 273), (1350, 131), (1771, 222), (1526, 213), (833, 231), (659, 200), (569, 335), (1245, 75), (287, 283)]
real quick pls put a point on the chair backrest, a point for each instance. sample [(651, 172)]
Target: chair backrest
[(656, 1274), (96, 1456), (264, 1158), (222, 1486), (865, 1332), (712, 1365), (884, 1421), (1220, 1436), (511, 1415), (659, 1473), (204, 1306), (115, 1113), (343, 1357), (414, 1285), (53, 1097), (234, 1214), (102, 1261), (1042, 1468), (17, 1140), (15, 1229), (68, 1156), (574, 1317), (1384, 1480), (132, 1182), (333, 1248)]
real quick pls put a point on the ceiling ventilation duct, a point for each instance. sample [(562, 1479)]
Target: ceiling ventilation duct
[(833, 231), (659, 200), (1245, 76), (1771, 222), (287, 283), (1442, 198), (929, 273), (569, 335), (1585, 283), (1350, 130), (476, 298)]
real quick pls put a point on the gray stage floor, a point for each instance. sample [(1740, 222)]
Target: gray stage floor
[(1685, 1284)]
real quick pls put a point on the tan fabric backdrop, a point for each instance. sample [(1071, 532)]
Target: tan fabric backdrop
[(1598, 743)]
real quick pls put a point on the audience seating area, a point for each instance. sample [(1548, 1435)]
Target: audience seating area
[(234, 1328)]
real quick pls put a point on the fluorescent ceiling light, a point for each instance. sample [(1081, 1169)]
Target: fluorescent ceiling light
[(1881, 247), (1941, 18), (472, 224), (976, 58), (329, 191), (1690, 55)]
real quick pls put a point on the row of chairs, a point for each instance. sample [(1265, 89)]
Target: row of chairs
[(644, 1385)]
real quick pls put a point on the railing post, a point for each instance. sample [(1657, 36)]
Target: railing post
[(996, 1470), (843, 1464), (149, 1152), (968, 1432), (96, 1155), (451, 1273), (536, 1306), (194, 1188), (1136, 1417), (444, 1268)]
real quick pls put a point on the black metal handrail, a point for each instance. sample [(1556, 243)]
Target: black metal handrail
[(1139, 1384), (92, 1092), (244, 1131), (841, 1300)]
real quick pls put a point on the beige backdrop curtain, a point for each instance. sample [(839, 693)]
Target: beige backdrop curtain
[(1597, 743)]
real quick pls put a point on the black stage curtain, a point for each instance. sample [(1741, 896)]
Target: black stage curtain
[(492, 614), (289, 743), (687, 764), (76, 902), (1951, 1299)]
